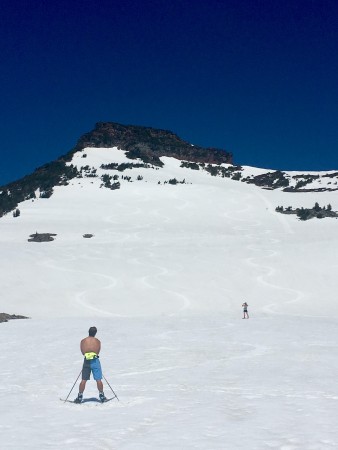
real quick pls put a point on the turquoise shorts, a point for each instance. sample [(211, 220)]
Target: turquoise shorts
[(89, 366)]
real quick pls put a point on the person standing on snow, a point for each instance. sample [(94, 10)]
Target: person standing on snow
[(245, 310), (90, 348)]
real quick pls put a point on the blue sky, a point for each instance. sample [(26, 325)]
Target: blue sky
[(258, 78)]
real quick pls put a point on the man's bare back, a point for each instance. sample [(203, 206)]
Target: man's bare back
[(90, 344)]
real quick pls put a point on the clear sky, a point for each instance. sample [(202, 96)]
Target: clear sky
[(258, 78)]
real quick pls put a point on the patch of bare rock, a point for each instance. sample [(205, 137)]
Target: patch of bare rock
[(6, 317), (41, 237)]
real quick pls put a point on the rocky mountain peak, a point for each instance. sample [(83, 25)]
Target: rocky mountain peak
[(149, 144)]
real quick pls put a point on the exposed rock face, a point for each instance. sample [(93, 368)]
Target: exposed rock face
[(6, 317), (149, 144), (41, 237)]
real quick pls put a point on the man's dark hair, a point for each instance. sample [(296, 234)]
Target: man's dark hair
[(92, 331)]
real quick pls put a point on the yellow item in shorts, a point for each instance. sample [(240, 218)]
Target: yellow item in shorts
[(90, 355)]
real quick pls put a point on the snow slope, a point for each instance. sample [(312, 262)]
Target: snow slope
[(163, 279)]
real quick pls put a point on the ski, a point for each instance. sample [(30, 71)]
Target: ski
[(68, 401), (87, 400), (107, 400)]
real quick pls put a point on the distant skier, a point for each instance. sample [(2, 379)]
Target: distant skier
[(90, 348), (245, 310)]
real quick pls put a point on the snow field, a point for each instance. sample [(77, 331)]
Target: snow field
[(163, 279), (192, 382)]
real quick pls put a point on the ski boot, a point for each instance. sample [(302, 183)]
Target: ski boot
[(103, 398), (79, 398)]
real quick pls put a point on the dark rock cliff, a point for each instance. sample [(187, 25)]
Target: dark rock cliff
[(149, 144)]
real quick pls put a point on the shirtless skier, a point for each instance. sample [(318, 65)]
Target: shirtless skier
[(90, 348)]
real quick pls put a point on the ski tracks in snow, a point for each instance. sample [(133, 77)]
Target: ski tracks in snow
[(268, 271), (154, 280), (81, 297), (256, 235)]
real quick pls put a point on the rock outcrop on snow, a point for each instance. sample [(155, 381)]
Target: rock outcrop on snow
[(41, 237), (6, 317)]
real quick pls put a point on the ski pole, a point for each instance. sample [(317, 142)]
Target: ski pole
[(110, 387), (73, 386)]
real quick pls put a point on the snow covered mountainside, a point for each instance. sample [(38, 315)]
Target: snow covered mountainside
[(171, 252)]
